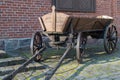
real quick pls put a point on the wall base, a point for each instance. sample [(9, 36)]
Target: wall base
[(13, 44)]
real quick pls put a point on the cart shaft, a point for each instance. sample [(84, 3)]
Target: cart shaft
[(13, 74), (52, 72)]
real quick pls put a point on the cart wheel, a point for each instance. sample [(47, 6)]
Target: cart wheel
[(36, 45), (110, 39), (81, 42)]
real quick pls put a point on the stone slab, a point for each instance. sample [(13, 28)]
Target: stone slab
[(11, 44), (11, 61), (32, 66), (2, 53), (2, 44)]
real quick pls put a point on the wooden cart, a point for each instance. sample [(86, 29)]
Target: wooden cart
[(64, 29)]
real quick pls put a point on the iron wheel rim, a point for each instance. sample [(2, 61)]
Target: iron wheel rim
[(80, 47), (110, 39)]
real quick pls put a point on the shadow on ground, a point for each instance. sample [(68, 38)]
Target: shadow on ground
[(96, 55), (93, 55)]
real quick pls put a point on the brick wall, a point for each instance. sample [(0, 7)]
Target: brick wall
[(117, 14), (19, 18)]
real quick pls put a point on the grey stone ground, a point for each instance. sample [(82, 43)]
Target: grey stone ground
[(97, 66), (2, 53)]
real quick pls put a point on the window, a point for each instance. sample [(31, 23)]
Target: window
[(76, 5)]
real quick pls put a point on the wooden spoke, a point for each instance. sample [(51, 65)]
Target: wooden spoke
[(111, 29), (113, 34), (112, 45), (36, 45)]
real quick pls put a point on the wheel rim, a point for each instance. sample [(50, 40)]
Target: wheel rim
[(36, 45), (110, 39), (80, 47)]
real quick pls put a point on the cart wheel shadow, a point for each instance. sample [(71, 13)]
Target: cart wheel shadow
[(55, 54), (54, 58), (41, 76), (96, 57)]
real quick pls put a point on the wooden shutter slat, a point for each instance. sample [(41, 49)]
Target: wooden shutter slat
[(86, 5), (64, 4), (76, 5)]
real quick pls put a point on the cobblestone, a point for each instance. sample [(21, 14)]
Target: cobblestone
[(9, 69), (11, 61), (2, 54), (97, 66)]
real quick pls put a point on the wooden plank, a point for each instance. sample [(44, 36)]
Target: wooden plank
[(47, 19), (85, 24), (61, 22), (79, 23)]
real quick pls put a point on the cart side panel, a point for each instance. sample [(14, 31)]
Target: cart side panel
[(61, 22), (83, 24), (89, 24), (47, 20)]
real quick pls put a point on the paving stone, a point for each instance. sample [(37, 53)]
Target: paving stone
[(20, 77), (5, 70), (1, 77), (103, 76), (32, 66), (2, 54), (80, 78), (35, 66), (37, 74), (106, 79), (114, 76), (99, 68), (11, 44), (94, 78), (2, 45), (11, 61), (117, 78), (24, 42)]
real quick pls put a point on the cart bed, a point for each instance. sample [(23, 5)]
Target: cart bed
[(62, 22)]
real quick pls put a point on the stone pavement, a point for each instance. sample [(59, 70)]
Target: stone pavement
[(2, 54), (97, 66)]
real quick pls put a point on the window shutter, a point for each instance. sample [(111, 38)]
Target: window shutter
[(85, 5), (76, 5), (64, 4)]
